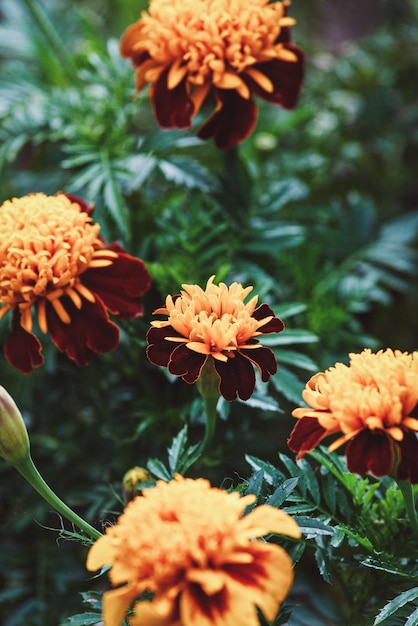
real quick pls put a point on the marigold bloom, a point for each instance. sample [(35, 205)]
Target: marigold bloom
[(229, 50), (54, 264), (370, 402), (189, 545), (215, 323)]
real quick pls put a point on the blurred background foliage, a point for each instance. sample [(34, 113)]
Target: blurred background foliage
[(317, 209)]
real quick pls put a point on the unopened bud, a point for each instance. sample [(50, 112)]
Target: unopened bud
[(14, 440), (133, 480)]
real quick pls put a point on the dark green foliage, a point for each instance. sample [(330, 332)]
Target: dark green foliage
[(317, 210)]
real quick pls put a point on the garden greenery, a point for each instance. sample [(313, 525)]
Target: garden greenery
[(313, 204)]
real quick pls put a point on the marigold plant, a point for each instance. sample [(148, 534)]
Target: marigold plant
[(55, 267), (215, 324), (195, 51), (370, 403), (192, 548)]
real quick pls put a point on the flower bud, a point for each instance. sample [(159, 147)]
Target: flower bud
[(133, 480), (14, 440)]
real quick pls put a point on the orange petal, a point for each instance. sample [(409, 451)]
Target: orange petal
[(260, 78), (116, 603), (101, 553), (233, 81), (150, 614), (211, 581), (176, 73), (266, 519), (410, 422)]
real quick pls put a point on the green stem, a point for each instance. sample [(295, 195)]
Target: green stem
[(208, 387), (210, 423), (408, 496), (28, 470), (51, 36)]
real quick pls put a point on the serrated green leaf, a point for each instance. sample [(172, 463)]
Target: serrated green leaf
[(297, 359), (311, 527), (255, 485), (176, 450), (323, 566), (290, 465), (264, 403), (288, 384), (387, 567), (329, 491), (391, 607), (412, 619), (299, 509), (158, 469), (291, 336), (284, 311), (83, 619), (116, 205), (282, 492), (355, 536), (310, 480), (271, 474)]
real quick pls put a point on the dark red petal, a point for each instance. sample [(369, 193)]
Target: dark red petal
[(172, 107), (120, 285), (286, 77), (237, 377), (22, 349), (264, 359), (407, 468), (306, 435), (273, 326), (159, 349), (370, 451), (232, 121), (186, 363), (90, 330), (284, 36), (84, 206)]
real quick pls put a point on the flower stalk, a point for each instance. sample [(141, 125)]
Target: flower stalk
[(208, 385), (27, 469)]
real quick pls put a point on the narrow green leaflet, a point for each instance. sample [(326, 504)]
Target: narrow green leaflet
[(83, 619), (311, 527), (158, 469), (412, 619), (271, 474), (391, 607), (282, 492)]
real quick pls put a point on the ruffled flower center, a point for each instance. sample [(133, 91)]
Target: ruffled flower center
[(376, 391), (194, 526), (213, 321), (211, 41), (46, 243)]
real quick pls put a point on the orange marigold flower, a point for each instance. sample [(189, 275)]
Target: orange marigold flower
[(191, 547), (215, 323), (193, 50), (54, 263), (370, 402)]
